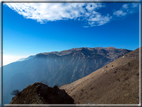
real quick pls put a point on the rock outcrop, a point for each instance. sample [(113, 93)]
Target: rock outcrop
[(39, 93)]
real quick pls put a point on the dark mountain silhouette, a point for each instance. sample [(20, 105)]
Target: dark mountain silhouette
[(114, 83), (56, 67), (39, 93)]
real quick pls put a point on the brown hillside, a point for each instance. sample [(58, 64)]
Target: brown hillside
[(115, 83), (39, 93)]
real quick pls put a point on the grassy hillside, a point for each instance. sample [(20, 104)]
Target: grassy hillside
[(115, 83)]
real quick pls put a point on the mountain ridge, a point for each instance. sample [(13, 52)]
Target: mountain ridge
[(64, 68), (65, 52), (114, 83)]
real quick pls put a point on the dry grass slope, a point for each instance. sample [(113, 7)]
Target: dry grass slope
[(115, 83)]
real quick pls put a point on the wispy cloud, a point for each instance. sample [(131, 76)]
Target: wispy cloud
[(125, 6), (96, 19), (126, 9), (133, 5), (119, 13), (85, 26), (44, 12)]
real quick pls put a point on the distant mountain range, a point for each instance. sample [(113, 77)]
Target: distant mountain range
[(56, 67), (23, 59)]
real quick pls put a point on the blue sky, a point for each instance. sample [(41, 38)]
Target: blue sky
[(29, 29)]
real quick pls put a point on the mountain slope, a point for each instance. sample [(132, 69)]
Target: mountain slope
[(115, 83), (56, 67)]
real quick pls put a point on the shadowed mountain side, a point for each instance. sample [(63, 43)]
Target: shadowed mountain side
[(39, 93), (115, 83), (56, 67)]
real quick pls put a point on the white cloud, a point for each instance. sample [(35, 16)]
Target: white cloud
[(119, 13), (125, 6), (48, 11), (98, 19), (44, 12), (92, 6), (7, 59)]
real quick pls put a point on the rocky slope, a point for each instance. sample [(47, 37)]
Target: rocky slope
[(56, 67), (39, 93), (114, 83)]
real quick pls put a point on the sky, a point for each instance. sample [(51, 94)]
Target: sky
[(32, 28)]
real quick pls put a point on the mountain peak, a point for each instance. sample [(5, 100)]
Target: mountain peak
[(111, 48)]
